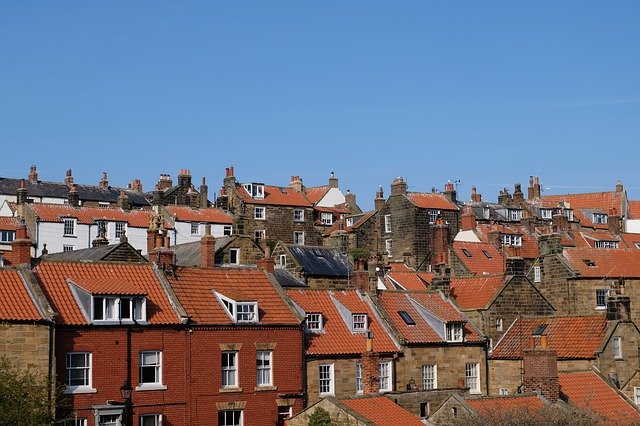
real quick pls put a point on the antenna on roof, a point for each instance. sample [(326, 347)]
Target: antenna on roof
[(457, 182)]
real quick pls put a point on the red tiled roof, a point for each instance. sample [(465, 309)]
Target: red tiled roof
[(577, 337), (479, 263), (8, 223), (484, 406), (16, 303), (196, 287), (634, 209), (208, 215), (315, 194), (589, 391), (336, 337), (408, 280), (99, 285), (431, 201), (277, 196), (133, 278), (382, 411), (590, 236), (422, 332), (89, 215), (612, 263), (606, 202), (631, 240), (475, 292), (529, 248)]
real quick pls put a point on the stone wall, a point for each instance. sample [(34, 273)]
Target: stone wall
[(27, 344)]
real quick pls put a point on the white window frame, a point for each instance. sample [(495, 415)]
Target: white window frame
[(515, 214), (314, 322), (246, 312), (569, 214), (227, 230), (259, 235), (546, 213), (69, 227), (282, 260), (120, 228), (298, 215), (359, 379), (454, 332), (359, 322), (512, 240), (236, 252), (150, 361), (195, 228), (326, 379), (349, 221), (606, 244), (78, 421), (155, 418), (231, 422), (601, 299), (112, 309), (7, 236), (86, 368), (504, 391), (264, 368), (429, 376), (388, 246), (326, 218), (617, 347), (636, 395), (499, 324), (537, 274), (433, 216), (387, 223), (66, 248), (385, 374), (260, 213), (229, 369), (472, 377), (298, 238), (599, 218)]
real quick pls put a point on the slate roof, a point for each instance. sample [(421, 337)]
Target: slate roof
[(278, 196), (588, 390), (285, 279), (92, 254), (9, 186), (613, 263), (431, 201), (485, 406), (208, 215), (188, 254), (321, 261), (475, 292), (196, 287), (129, 278), (575, 337), (382, 411), (16, 300), (479, 262), (90, 215), (336, 337), (426, 328)]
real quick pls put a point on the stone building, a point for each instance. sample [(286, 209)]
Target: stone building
[(182, 194)]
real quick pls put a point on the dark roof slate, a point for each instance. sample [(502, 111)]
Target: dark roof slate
[(321, 261)]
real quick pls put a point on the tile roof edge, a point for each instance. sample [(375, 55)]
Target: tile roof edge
[(178, 309), (35, 293), (599, 374), (291, 305), (377, 313)]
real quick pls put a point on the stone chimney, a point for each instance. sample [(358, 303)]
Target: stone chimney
[(398, 186), (518, 196), (207, 248), (33, 174), (72, 197), (101, 238), (560, 222), (184, 178), (514, 266), (504, 197), (296, 183), (104, 182), (21, 246), (619, 187), (333, 180), (442, 281), (164, 255), (68, 179), (123, 201), (614, 221), (204, 194), (618, 303), (450, 192), (475, 197), (541, 370), (370, 369), (164, 182), (155, 226), (440, 242), (229, 178), (536, 187), (378, 202), (135, 185), (267, 263), (21, 195), (549, 244), (530, 189), (193, 198), (467, 219), (350, 198)]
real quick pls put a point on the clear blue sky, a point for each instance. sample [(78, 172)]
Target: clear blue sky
[(483, 92)]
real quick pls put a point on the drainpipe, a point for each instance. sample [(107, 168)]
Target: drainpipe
[(37, 236), (52, 366), (486, 364)]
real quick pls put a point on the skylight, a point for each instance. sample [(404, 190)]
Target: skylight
[(589, 262), (406, 317), (539, 330), (467, 252)]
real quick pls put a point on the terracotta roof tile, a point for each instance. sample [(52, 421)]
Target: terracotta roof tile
[(485, 406), (105, 286), (134, 278), (597, 262), (208, 215), (634, 209), (277, 196), (589, 391), (475, 292), (336, 337), (479, 258), (16, 303), (196, 287), (590, 236), (382, 411), (631, 240), (315, 194), (529, 248), (603, 202), (576, 337), (89, 215), (8, 223), (407, 280), (425, 200)]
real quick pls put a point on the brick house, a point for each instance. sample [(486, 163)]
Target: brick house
[(408, 225), (244, 347), (342, 357)]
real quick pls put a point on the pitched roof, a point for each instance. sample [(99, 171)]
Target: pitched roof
[(585, 204), (575, 337), (89, 215), (315, 194), (479, 258), (99, 253), (8, 223), (196, 288), (475, 292), (188, 254), (529, 248), (408, 280), (16, 303), (588, 390), (613, 263), (277, 196), (337, 337), (382, 411), (631, 240), (321, 261), (484, 406), (207, 215), (634, 209), (429, 326), (128, 278), (425, 200)]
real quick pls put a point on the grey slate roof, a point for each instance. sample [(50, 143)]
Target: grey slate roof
[(188, 254), (321, 261), (91, 254), (9, 186), (285, 279)]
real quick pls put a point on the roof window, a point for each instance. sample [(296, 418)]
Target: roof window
[(406, 317)]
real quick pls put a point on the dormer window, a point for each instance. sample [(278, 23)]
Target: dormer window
[(486, 213), (118, 308), (454, 331), (600, 218), (546, 213), (360, 323), (256, 190), (512, 240), (349, 221), (326, 218), (314, 322), (568, 213), (240, 312), (515, 214), (606, 244)]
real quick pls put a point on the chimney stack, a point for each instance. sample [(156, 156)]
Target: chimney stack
[(619, 187), (135, 185), (398, 187), (184, 179), (123, 201), (207, 248), (378, 202), (229, 178), (21, 246), (333, 180), (450, 191), (204, 194), (541, 370), (475, 197), (296, 183), (504, 197), (370, 369), (442, 281), (549, 244), (350, 199), (515, 266), (618, 303), (614, 221), (33, 174), (536, 187), (164, 182), (68, 179), (104, 182), (21, 196), (467, 219), (518, 196), (72, 197), (440, 242)]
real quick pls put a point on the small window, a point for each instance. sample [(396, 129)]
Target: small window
[(486, 213), (537, 276), (282, 260), (229, 369), (247, 312), (359, 382), (259, 235), (636, 395), (487, 254), (325, 379), (606, 244), (298, 238), (472, 376), (349, 221), (359, 323), (256, 190), (589, 262), (7, 236), (150, 369), (259, 213), (120, 229), (284, 412), (69, 227), (599, 218), (454, 332), (195, 228), (504, 391), (227, 229), (539, 330), (151, 420), (388, 245), (637, 245), (385, 379), (425, 409), (326, 218), (387, 223), (78, 372), (234, 256), (406, 317), (67, 248), (617, 347), (569, 214), (314, 322), (429, 377), (298, 215), (230, 418), (498, 324), (263, 367), (75, 422), (467, 252), (433, 215), (512, 240), (546, 213), (601, 299), (515, 214)]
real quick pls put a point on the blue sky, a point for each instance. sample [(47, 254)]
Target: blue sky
[(487, 93)]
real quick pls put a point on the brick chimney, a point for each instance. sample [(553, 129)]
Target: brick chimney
[(618, 303), (184, 178), (154, 238), (442, 281), (467, 219), (350, 198), (164, 182), (204, 194), (614, 221), (619, 187), (333, 180), (21, 246), (378, 202), (104, 182), (518, 196), (541, 370), (72, 197), (560, 222), (207, 248), (229, 178), (398, 186), (68, 179), (296, 183), (33, 174), (370, 369), (504, 197), (123, 201), (536, 187), (193, 198), (440, 242), (514, 266), (164, 255), (475, 197), (549, 244), (135, 185), (450, 191), (530, 190), (267, 263)]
